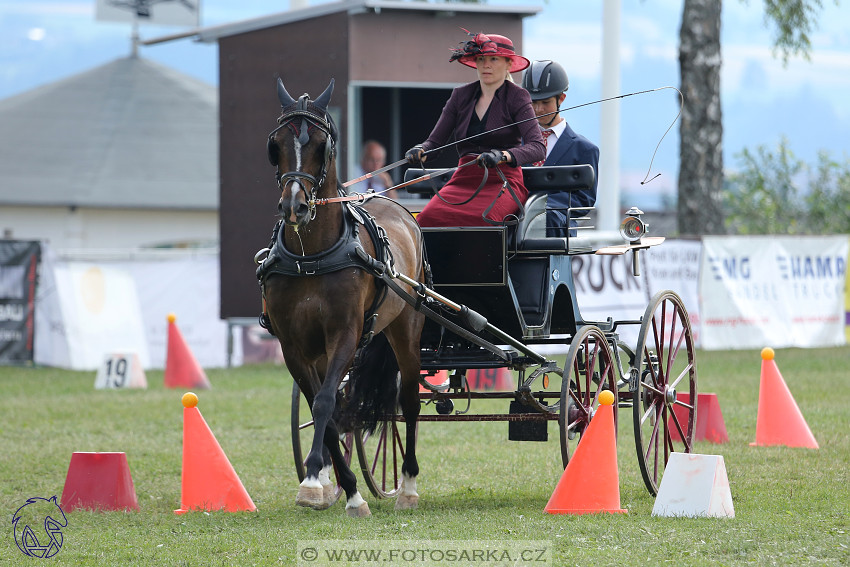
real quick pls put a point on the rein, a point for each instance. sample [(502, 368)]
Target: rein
[(400, 162)]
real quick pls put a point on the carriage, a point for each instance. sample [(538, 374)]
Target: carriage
[(495, 295)]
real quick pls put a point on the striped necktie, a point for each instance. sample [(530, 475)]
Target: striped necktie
[(546, 133)]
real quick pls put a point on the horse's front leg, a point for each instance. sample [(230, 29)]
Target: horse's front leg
[(311, 492)]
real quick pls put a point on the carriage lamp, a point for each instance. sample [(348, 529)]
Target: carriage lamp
[(633, 228)]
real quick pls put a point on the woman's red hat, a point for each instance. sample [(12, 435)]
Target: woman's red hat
[(488, 44)]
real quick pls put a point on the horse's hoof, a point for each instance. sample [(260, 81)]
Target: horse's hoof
[(311, 497), (328, 496), (407, 502), (361, 511)]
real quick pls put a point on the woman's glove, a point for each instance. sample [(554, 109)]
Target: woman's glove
[(415, 155), (491, 158)]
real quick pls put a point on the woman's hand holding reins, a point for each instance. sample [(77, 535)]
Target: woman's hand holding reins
[(415, 155), (491, 159)]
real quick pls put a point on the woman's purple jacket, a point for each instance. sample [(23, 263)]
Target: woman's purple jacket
[(510, 104)]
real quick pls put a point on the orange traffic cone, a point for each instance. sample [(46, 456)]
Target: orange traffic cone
[(99, 481), (208, 481), (181, 367), (779, 421), (591, 483)]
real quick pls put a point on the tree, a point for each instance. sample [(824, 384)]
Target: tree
[(701, 132), (773, 192)]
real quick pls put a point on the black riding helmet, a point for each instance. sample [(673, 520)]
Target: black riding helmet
[(544, 79)]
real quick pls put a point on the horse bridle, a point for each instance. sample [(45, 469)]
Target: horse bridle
[(310, 120)]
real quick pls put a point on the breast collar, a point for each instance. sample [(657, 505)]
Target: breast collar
[(343, 254)]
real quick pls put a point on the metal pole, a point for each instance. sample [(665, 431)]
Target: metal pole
[(134, 39), (608, 201)]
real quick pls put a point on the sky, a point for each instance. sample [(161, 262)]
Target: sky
[(807, 102)]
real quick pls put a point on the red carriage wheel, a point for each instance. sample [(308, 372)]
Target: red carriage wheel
[(589, 370), (381, 454), (665, 367)]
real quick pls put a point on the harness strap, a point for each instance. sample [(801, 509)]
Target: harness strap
[(347, 252)]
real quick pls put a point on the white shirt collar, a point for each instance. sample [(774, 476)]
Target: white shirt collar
[(557, 132)]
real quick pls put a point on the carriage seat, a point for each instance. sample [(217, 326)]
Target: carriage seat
[(530, 235)]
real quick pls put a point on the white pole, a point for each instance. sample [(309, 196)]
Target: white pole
[(608, 200)]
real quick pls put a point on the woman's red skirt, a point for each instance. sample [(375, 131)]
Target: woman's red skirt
[(462, 185)]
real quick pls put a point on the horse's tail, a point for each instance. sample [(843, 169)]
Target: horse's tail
[(374, 386)]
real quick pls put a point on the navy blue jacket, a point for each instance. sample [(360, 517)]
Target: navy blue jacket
[(570, 149)]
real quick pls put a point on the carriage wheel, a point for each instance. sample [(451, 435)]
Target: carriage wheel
[(381, 455), (665, 358), (302, 436), (589, 369)]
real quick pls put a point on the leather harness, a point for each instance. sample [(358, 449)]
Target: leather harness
[(347, 252)]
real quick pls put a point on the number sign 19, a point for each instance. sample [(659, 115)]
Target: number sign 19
[(120, 370)]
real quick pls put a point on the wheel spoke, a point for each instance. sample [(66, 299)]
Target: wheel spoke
[(578, 391), (684, 373), (650, 368), (386, 436), (579, 405), (653, 437), (682, 435), (655, 391), (305, 425), (588, 370), (670, 355), (381, 438), (647, 413)]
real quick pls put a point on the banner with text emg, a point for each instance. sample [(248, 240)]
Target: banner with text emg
[(776, 291), (19, 261)]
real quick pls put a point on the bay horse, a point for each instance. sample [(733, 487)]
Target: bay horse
[(324, 302)]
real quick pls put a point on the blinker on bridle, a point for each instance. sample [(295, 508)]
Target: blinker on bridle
[(313, 115)]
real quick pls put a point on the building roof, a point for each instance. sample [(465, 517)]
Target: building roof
[(128, 134), (214, 33)]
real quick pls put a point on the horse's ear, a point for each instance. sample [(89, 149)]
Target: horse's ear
[(284, 97), (273, 151), (325, 97)]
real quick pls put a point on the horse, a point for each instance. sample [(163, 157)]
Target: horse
[(329, 309)]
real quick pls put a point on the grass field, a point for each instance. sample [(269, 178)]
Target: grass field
[(791, 505)]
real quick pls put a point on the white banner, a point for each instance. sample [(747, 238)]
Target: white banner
[(86, 310), (606, 287), (100, 313), (776, 291)]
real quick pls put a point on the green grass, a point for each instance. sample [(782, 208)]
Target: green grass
[(791, 505)]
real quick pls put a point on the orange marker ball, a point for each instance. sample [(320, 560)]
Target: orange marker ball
[(189, 400)]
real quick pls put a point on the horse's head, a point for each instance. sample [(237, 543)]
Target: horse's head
[(303, 147)]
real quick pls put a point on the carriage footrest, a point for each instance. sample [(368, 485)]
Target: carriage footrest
[(531, 430)]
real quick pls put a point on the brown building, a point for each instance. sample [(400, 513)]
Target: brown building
[(390, 61)]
